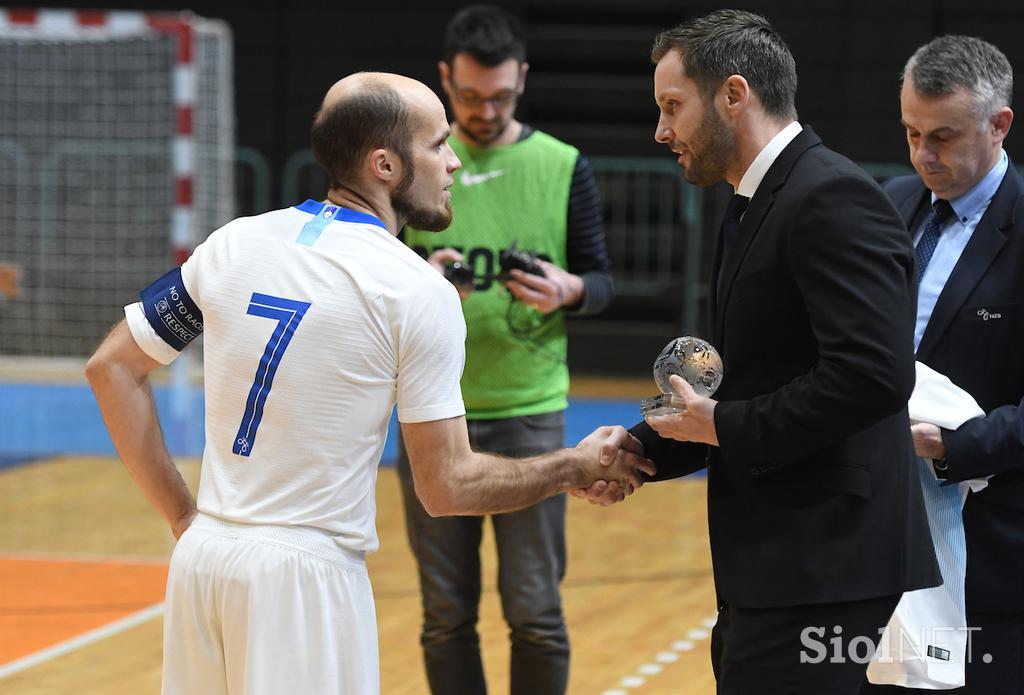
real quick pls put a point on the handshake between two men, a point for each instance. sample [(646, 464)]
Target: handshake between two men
[(692, 421)]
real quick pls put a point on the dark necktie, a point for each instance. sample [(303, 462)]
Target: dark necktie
[(936, 219), (731, 223)]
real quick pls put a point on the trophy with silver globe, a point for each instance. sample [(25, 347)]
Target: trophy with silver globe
[(693, 359)]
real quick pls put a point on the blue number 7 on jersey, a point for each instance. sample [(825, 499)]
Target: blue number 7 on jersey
[(288, 313)]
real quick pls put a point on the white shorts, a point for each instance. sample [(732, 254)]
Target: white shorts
[(261, 610)]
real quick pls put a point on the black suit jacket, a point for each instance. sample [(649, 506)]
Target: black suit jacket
[(812, 493), (974, 337)]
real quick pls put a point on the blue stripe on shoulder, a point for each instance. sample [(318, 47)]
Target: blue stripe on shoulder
[(311, 230), (324, 214), (310, 206)]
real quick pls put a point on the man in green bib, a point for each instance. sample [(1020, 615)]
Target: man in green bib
[(517, 186)]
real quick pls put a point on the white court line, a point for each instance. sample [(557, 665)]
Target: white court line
[(83, 640), (646, 670)]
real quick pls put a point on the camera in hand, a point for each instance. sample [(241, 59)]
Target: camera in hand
[(513, 259), (459, 274), (462, 274)]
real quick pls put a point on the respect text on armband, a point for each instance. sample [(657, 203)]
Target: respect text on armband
[(171, 311)]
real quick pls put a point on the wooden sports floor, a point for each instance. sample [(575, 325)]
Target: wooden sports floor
[(83, 562)]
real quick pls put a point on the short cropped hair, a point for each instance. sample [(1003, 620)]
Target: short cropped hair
[(948, 63), (343, 134), (734, 42), (489, 34)]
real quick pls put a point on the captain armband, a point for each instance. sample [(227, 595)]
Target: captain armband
[(171, 311)]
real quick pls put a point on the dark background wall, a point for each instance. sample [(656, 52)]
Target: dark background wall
[(590, 83), (590, 79)]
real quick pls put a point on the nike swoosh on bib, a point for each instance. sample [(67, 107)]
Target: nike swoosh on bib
[(468, 179)]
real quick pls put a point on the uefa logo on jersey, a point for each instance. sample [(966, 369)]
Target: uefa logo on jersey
[(162, 306)]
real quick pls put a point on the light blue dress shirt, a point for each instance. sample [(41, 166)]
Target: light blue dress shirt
[(968, 208), (944, 503)]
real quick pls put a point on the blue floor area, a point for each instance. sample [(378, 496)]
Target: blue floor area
[(40, 420)]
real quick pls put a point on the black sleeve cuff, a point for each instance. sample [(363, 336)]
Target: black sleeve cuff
[(673, 459), (598, 292)]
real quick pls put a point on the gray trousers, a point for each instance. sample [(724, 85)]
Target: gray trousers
[(531, 565)]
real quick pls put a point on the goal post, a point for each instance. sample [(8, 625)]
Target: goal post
[(116, 159)]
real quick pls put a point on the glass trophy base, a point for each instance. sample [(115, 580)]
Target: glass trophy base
[(663, 404)]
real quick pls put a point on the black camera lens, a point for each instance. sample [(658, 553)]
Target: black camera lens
[(459, 273), (514, 259)]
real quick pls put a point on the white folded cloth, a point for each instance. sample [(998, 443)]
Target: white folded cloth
[(939, 401), (925, 643)]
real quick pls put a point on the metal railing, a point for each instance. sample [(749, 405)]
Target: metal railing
[(653, 226), (653, 221)]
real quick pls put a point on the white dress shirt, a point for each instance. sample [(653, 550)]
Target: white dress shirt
[(765, 158)]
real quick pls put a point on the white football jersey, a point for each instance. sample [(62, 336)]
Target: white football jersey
[(316, 321)]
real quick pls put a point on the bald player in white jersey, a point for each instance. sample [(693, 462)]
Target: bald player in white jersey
[(317, 322)]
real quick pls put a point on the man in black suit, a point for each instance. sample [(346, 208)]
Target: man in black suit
[(815, 513), (965, 211)]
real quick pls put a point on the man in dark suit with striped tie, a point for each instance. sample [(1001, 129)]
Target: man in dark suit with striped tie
[(965, 212)]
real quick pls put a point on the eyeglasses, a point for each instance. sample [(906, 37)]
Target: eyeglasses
[(501, 100)]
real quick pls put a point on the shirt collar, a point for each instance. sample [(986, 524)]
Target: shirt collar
[(967, 205), (329, 210), (765, 158)]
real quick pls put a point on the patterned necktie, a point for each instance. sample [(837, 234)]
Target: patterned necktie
[(731, 224), (937, 218)]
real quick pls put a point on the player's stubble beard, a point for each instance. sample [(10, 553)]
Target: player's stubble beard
[(403, 203)]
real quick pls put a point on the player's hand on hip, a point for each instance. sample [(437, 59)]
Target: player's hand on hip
[(183, 522), (545, 294), (695, 424)]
